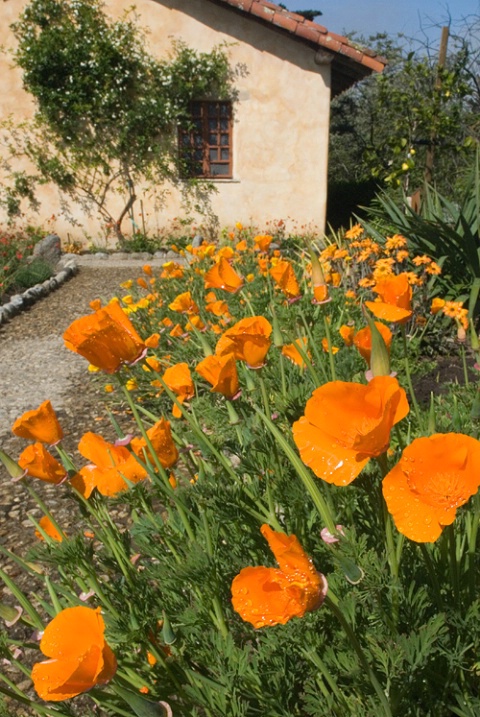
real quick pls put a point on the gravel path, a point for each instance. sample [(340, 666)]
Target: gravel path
[(34, 366)]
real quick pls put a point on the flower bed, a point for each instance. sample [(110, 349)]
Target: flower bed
[(299, 540)]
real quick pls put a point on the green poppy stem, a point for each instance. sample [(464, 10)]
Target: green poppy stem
[(408, 376)]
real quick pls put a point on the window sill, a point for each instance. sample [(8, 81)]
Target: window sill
[(220, 180)]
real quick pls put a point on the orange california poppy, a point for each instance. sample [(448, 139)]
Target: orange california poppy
[(347, 333), (217, 308), (395, 304), (284, 276), (40, 424), (46, 525), (171, 270), (79, 657), (262, 241), (320, 294), (221, 373), (346, 424), (39, 463), (363, 340), (152, 341), (291, 351), (223, 276), (110, 467), (272, 596), (434, 476), (185, 304), (107, 338), (160, 436), (179, 380), (248, 340)]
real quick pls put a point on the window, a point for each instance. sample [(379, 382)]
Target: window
[(207, 146)]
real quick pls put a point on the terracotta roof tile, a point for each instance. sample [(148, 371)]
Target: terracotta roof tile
[(353, 63)]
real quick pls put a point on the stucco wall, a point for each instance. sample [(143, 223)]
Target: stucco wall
[(280, 135)]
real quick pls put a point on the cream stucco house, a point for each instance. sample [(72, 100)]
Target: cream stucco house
[(267, 156)]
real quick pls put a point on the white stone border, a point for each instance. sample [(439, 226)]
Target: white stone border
[(20, 302)]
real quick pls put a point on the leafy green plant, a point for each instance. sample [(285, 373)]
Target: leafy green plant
[(442, 227), (107, 112), (33, 273)]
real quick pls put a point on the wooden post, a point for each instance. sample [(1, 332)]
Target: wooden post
[(442, 57)]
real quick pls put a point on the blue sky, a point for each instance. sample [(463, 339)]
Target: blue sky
[(407, 16)]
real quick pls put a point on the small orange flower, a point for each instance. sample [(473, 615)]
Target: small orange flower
[(48, 527), (395, 305), (217, 308), (437, 305), (110, 467), (248, 340), (272, 596), (346, 424), (40, 424), (160, 436), (363, 340), (320, 294), (152, 341), (241, 245), (95, 304), (221, 373), (147, 269), (171, 270), (107, 338), (327, 349), (347, 333), (285, 278), (434, 477), (177, 331), (262, 241), (79, 657), (185, 304), (291, 351), (39, 463), (179, 380), (223, 276)]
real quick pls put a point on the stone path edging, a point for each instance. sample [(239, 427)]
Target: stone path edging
[(69, 265)]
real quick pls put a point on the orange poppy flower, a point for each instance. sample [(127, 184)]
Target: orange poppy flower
[(221, 373), (152, 341), (291, 351), (347, 333), (40, 424), (320, 294), (395, 304), (217, 308), (179, 380), (346, 424), (437, 305), (262, 242), (110, 467), (272, 596), (226, 252), (185, 304), (171, 270), (107, 338), (363, 340), (284, 276), (177, 331), (39, 463), (46, 525), (327, 348), (223, 276), (248, 340), (241, 246), (95, 304), (160, 436), (79, 657), (434, 476)]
